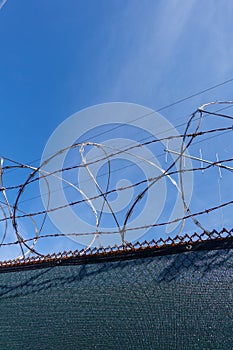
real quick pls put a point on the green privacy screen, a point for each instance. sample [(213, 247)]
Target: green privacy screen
[(139, 299)]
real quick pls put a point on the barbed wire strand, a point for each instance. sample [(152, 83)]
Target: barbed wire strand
[(186, 141)]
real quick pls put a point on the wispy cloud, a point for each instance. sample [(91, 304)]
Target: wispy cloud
[(152, 42), (2, 3)]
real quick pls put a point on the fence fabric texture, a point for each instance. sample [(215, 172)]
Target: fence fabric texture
[(175, 301), (172, 292)]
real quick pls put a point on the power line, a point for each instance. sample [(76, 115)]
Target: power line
[(149, 182), (162, 154), (160, 109), (42, 212), (120, 151)]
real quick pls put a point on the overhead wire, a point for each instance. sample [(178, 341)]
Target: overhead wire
[(149, 182), (230, 80)]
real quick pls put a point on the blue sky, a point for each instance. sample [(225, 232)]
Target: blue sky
[(58, 57)]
